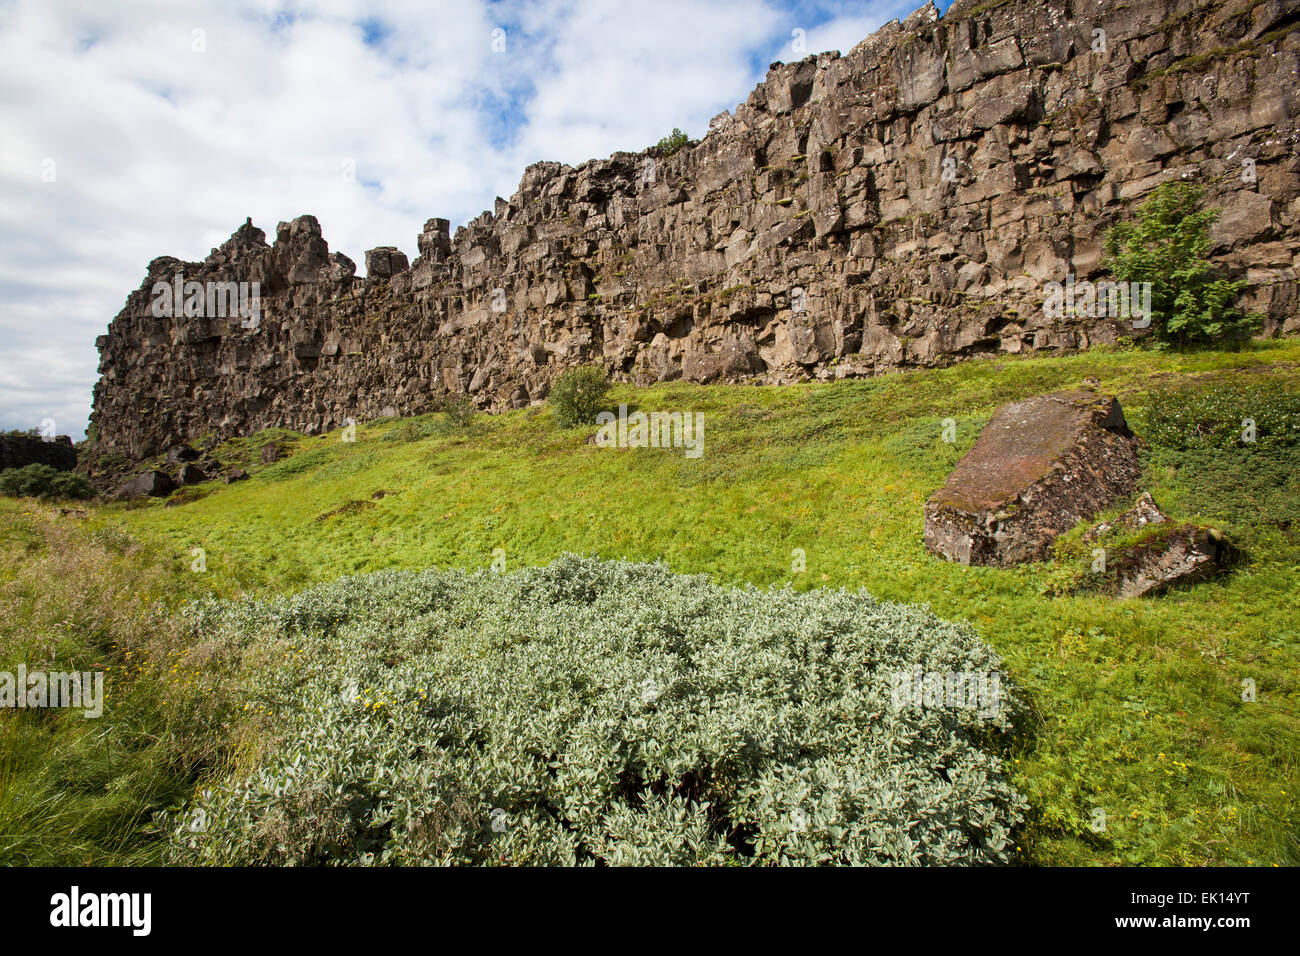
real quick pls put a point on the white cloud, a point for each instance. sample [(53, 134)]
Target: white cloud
[(159, 149)]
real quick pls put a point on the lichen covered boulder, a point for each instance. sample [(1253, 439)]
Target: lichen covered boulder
[(1039, 467)]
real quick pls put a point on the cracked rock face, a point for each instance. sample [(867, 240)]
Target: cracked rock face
[(900, 205), (1179, 555), (1038, 468)]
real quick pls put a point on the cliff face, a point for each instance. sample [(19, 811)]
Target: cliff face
[(904, 204), (18, 451)]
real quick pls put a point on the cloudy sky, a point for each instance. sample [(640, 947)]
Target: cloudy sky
[(134, 130)]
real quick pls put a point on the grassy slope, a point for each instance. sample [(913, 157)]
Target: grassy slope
[(1139, 703)]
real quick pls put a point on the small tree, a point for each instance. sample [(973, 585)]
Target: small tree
[(460, 409), (1167, 247), (673, 142), (577, 394)]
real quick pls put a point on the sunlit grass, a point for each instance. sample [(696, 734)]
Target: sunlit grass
[(1138, 704)]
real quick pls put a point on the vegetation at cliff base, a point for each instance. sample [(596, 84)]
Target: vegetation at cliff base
[(577, 394), (44, 481)]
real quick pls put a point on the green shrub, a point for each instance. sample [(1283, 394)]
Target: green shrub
[(43, 481), (1217, 416), (673, 142), (415, 429), (577, 394), (458, 413), (599, 712), (1167, 247), (1200, 438), (459, 409)]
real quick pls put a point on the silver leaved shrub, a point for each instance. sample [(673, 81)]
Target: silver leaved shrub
[(599, 712)]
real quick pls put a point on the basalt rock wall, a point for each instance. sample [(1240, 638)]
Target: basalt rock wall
[(18, 451), (904, 204)]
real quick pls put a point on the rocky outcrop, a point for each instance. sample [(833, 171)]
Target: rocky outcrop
[(18, 451), (1144, 512), (1177, 555), (903, 204), (147, 484), (1038, 468), (1144, 554)]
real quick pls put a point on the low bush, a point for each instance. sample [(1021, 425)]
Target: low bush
[(1234, 451), (577, 394), (673, 142), (459, 409), (599, 712), (43, 481), (457, 414), (415, 429), (1224, 416)]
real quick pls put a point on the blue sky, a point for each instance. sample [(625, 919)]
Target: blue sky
[(155, 129)]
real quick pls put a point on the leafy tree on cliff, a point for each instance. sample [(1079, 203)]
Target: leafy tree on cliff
[(1167, 246)]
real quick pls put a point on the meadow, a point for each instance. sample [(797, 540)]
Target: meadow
[(1136, 709)]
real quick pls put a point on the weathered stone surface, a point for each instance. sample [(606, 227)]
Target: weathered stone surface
[(179, 454), (19, 451), (191, 473), (386, 261), (1144, 512), (1169, 554), (148, 484), (1038, 468), (1249, 217), (917, 191), (1181, 554)]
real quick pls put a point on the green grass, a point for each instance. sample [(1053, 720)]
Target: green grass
[(1137, 704), (77, 791)]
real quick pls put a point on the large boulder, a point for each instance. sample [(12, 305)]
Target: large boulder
[(147, 484), (1038, 468), (180, 454), (192, 473)]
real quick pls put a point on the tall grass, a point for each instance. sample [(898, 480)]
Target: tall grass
[(73, 790)]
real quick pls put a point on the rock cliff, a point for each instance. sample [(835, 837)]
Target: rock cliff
[(19, 450), (903, 204)]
